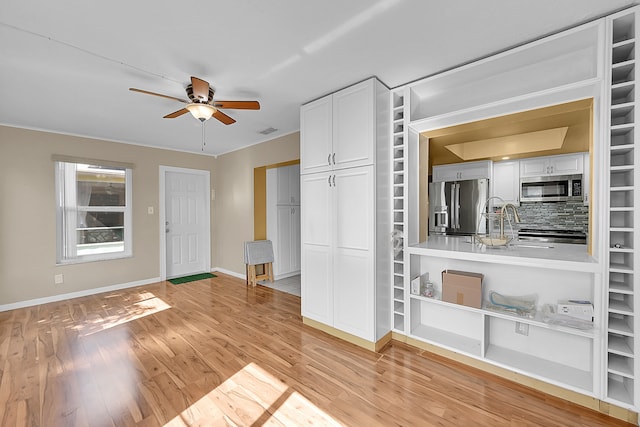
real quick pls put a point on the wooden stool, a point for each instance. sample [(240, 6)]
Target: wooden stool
[(258, 252), (252, 277)]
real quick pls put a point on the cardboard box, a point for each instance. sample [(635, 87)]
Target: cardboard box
[(579, 309), (462, 287)]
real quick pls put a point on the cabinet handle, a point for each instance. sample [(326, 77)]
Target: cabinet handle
[(329, 180), (329, 159), (551, 169), (334, 158), (334, 180)]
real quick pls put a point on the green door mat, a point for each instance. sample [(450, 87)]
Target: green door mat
[(193, 278)]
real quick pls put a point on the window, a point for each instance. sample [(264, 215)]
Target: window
[(93, 212)]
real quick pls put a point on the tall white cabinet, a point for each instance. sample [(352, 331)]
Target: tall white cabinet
[(345, 273), (283, 219)]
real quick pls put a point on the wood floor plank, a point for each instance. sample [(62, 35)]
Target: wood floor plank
[(216, 352)]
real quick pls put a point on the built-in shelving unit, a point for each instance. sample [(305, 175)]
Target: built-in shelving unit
[(622, 245), (399, 186)]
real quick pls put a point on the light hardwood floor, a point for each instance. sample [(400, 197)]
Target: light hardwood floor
[(215, 352)]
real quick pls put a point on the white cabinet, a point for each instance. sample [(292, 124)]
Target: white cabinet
[(338, 224), (288, 178), (569, 164), (505, 182), (283, 219), (345, 277), (338, 129), (287, 256), (317, 247), (462, 171)]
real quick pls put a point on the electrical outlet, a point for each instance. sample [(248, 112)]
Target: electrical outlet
[(522, 328), (58, 279)]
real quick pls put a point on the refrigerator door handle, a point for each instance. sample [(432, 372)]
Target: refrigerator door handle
[(457, 203), (452, 203)]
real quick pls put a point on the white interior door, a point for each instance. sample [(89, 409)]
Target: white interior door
[(186, 222)]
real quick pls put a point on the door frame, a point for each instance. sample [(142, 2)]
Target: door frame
[(162, 215)]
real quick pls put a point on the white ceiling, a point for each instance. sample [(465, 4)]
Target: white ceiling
[(66, 65)]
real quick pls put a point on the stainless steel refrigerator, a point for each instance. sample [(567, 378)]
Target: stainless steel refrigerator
[(456, 207)]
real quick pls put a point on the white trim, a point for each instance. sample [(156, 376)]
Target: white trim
[(229, 272), (78, 294), (163, 215)]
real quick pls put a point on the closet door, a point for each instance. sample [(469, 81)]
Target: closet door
[(295, 238), (317, 264), (353, 275), (283, 257)]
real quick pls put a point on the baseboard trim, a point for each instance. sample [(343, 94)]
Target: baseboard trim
[(78, 294), (525, 380), (229, 272), (360, 342)]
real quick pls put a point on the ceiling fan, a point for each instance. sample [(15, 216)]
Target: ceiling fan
[(201, 103)]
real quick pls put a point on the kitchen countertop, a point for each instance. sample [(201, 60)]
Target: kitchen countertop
[(556, 256)]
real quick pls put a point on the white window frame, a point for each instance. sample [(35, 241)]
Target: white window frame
[(67, 214)]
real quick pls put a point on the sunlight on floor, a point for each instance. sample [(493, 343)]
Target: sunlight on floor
[(137, 310), (252, 396)]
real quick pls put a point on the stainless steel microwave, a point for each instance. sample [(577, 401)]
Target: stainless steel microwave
[(551, 188)]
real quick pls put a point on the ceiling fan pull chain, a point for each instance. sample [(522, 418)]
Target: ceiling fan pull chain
[(203, 142)]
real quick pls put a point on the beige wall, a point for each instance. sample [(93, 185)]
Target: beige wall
[(233, 206), (27, 213)]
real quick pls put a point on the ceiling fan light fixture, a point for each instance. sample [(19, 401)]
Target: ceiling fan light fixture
[(201, 112)]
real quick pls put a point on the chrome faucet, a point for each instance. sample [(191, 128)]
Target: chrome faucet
[(504, 212)]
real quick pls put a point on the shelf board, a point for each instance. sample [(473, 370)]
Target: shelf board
[(619, 346), (617, 391), (620, 365), (622, 168), (623, 64), (622, 188), (620, 268), (622, 149), (537, 321), (618, 326), (620, 287), (623, 43), (448, 340), (553, 371), (620, 307), (621, 209), (622, 129), (621, 250)]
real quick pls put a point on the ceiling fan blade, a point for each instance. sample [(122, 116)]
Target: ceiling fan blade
[(238, 105), (200, 88), (176, 114), (223, 118), (184, 101)]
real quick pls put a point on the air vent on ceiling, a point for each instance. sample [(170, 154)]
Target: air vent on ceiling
[(268, 130)]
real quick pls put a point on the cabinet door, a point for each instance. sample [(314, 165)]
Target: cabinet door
[(295, 238), (353, 276), (294, 184), (316, 248), (284, 185), (316, 136), (566, 165), (444, 173), (353, 126), (506, 182), (282, 263), (534, 167), (462, 171)]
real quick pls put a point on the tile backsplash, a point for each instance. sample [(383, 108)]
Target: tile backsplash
[(555, 216)]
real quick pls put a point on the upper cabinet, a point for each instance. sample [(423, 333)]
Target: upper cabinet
[(505, 182), (338, 130), (462, 171), (570, 164), (288, 178)]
